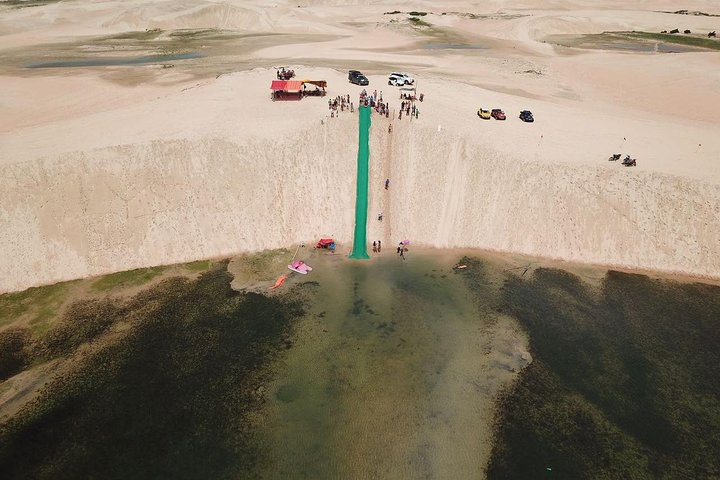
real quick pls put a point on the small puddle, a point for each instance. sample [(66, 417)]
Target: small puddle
[(606, 41), (451, 46), (115, 61)]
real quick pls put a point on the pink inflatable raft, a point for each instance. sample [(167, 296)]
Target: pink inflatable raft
[(300, 267)]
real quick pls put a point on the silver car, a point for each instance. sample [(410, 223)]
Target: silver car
[(399, 79)]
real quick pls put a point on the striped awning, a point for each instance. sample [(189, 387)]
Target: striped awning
[(278, 85), (293, 86), (286, 86)]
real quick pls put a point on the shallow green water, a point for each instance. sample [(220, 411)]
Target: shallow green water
[(381, 369), (116, 61), (390, 376), (635, 42)]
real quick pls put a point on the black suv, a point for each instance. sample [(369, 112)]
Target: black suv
[(357, 78), (526, 116)]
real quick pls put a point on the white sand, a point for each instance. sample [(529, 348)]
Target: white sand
[(111, 168)]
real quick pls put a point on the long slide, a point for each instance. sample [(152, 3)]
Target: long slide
[(363, 171)]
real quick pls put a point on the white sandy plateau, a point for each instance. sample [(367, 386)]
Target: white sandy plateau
[(112, 168)]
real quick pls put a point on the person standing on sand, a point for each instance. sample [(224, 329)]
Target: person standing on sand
[(379, 245), (399, 249), (375, 247), (387, 183), (402, 253)]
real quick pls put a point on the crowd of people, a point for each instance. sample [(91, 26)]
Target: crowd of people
[(409, 108), (374, 100), (340, 104)]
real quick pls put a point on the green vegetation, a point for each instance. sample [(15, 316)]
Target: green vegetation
[(416, 22), (261, 266), (82, 322), (136, 35), (13, 343), (131, 278), (622, 383), (192, 33), (26, 3), (40, 305), (680, 39), (694, 13), (413, 13), (198, 266), (172, 398)]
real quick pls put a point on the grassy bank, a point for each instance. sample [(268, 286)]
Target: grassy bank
[(172, 398)]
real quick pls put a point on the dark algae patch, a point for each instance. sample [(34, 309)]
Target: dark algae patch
[(13, 343), (623, 382), (173, 397), (384, 369)]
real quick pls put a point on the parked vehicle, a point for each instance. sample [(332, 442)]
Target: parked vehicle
[(615, 156), (497, 114), (399, 79), (484, 114), (526, 116), (629, 162), (285, 73), (357, 78)]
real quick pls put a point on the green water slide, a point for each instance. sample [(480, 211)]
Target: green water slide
[(361, 203)]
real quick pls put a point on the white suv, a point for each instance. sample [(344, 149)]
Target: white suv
[(399, 79)]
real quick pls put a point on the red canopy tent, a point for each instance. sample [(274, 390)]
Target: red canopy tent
[(278, 85), (286, 89), (326, 243)]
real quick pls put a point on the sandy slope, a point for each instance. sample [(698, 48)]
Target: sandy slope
[(98, 175)]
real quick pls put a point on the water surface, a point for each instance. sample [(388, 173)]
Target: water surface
[(116, 61), (392, 375), (386, 368)]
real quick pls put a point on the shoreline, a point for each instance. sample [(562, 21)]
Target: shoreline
[(518, 260), (466, 349)]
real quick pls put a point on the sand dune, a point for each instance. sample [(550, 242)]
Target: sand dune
[(179, 165)]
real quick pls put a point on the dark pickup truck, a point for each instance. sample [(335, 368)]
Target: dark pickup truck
[(357, 78)]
